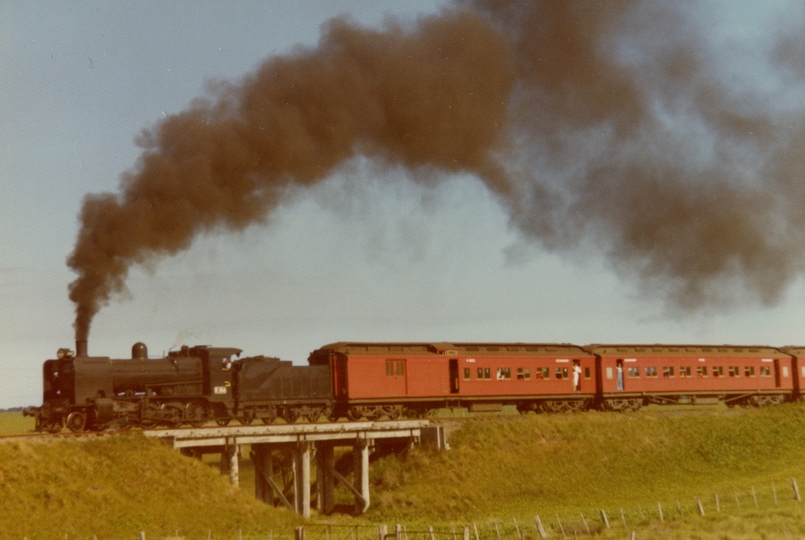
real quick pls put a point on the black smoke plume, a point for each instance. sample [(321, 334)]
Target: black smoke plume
[(605, 123)]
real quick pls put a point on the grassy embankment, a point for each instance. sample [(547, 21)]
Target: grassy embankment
[(498, 468)]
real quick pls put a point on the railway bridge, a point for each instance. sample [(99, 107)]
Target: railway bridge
[(303, 441)]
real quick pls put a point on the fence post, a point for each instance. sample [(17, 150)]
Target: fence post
[(430, 532), (699, 506), (718, 504), (774, 493), (382, 530), (623, 518), (605, 519), (299, 533), (398, 532), (466, 533), (584, 521), (540, 529), (516, 528), (142, 535), (796, 489), (754, 497), (497, 531), (475, 528), (659, 507), (560, 526)]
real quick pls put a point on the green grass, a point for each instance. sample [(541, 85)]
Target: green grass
[(14, 423), (499, 469), (114, 487), (517, 467)]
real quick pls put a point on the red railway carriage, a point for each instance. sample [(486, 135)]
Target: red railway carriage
[(389, 379), (633, 375)]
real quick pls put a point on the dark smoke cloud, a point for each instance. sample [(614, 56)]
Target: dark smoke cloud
[(635, 140), (434, 96), (592, 122)]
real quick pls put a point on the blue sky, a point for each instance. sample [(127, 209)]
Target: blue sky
[(368, 254)]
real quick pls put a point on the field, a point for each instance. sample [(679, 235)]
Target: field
[(14, 423), (500, 473)]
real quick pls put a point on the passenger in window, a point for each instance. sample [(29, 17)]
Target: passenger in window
[(576, 376)]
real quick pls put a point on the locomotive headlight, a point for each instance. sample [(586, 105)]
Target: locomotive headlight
[(61, 354)]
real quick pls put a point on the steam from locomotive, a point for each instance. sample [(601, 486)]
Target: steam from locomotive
[(608, 122)]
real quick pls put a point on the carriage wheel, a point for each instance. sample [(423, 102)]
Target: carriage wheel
[(291, 415)]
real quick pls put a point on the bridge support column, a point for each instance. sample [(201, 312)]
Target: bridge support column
[(232, 454), (301, 474), (360, 468), (325, 480), (263, 469)]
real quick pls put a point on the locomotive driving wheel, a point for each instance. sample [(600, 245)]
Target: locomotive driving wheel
[(76, 421), (196, 413)]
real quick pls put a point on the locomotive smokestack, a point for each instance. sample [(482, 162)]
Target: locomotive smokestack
[(81, 347)]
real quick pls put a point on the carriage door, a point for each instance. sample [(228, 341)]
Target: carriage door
[(454, 376), (777, 373)]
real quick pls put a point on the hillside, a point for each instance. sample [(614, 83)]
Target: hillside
[(499, 468), (518, 467), (114, 487)]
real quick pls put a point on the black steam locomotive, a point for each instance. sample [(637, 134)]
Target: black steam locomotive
[(193, 385)]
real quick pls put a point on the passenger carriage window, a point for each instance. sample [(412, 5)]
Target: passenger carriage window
[(542, 373), (765, 371), (467, 376), (561, 373), (586, 373), (609, 373), (504, 373), (718, 371), (684, 371), (633, 372), (749, 371), (487, 373), (785, 371), (802, 369), (668, 371), (701, 371), (651, 371), (390, 368), (523, 374), (400, 367), (734, 371)]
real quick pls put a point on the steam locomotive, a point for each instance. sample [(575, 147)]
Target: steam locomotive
[(196, 385)]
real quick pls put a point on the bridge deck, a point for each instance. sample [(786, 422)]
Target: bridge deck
[(285, 433)]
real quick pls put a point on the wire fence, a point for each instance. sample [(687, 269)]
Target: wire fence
[(617, 521)]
